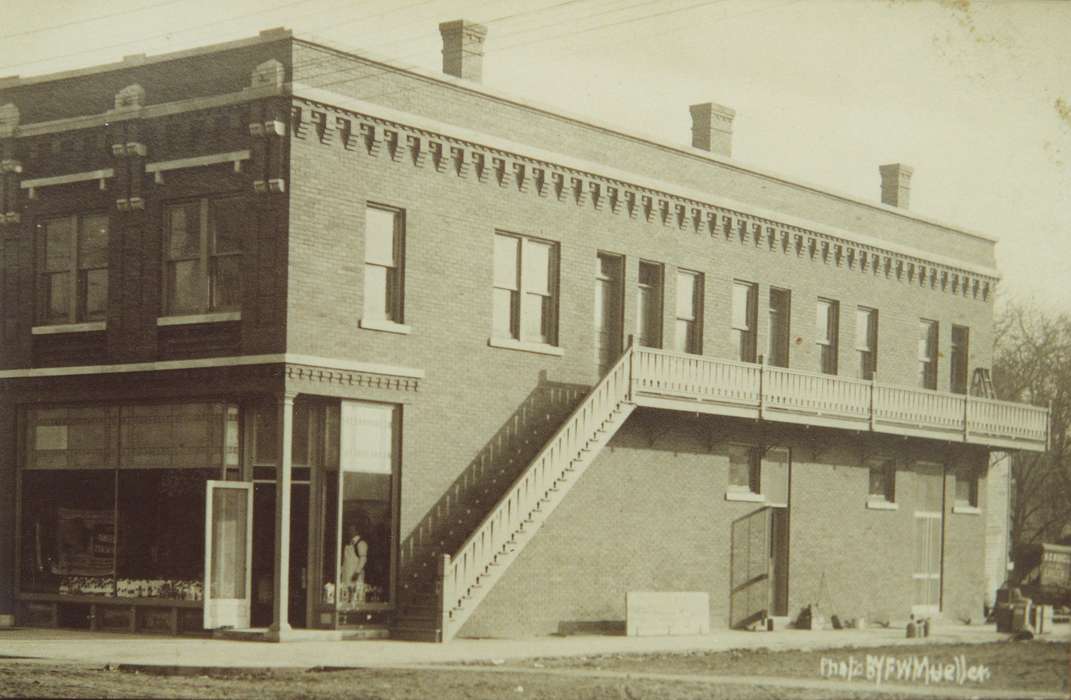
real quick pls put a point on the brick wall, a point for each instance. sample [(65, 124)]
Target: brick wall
[(650, 514), (377, 83)]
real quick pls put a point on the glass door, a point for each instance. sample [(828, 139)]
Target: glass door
[(228, 541)]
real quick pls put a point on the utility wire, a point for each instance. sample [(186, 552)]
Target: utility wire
[(87, 20), (163, 34)]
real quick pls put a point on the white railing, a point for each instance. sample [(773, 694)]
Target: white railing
[(461, 574), (693, 382), (907, 408), (703, 379), (815, 394), (1016, 422)]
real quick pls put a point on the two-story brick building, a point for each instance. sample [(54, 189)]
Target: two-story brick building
[(293, 337)]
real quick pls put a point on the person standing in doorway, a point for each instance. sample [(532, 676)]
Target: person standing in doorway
[(354, 559)]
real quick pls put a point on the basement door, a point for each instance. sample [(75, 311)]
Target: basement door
[(228, 543), (926, 596)]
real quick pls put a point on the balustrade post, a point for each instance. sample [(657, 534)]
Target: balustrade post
[(762, 384), (631, 365), (872, 381), (966, 416), (446, 595)]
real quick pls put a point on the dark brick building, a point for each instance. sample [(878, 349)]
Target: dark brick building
[(502, 365)]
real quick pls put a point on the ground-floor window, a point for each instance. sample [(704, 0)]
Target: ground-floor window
[(112, 498)]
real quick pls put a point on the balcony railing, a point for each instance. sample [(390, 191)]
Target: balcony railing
[(710, 385)]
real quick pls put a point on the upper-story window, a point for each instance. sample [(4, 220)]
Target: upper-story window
[(927, 354), (525, 291), (866, 341), (745, 320), (689, 326), (384, 233), (780, 311), (958, 358), (649, 305), (203, 255), (827, 322), (72, 254)]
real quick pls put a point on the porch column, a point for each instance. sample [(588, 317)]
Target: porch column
[(281, 603)]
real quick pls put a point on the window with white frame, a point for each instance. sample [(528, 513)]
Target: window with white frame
[(826, 331), (649, 305), (384, 233), (744, 322), (966, 489), (203, 255), (72, 253), (927, 354), (525, 289), (866, 341), (689, 326), (882, 479), (745, 469)]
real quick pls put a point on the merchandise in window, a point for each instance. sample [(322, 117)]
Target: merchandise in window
[(525, 289), (73, 269), (203, 255), (383, 269)]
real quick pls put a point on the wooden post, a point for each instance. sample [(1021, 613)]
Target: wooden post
[(873, 379), (280, 604), (631, 364), (446, 596)]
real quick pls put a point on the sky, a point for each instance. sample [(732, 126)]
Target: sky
[(976, 97)]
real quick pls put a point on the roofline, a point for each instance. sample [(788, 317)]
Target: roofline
[(699, 154), (264, 37), (275, 34)]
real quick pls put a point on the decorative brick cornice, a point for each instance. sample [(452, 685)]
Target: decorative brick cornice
[(351, 378), (728, 224)]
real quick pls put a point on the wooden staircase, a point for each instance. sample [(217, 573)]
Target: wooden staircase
[(436, 603)]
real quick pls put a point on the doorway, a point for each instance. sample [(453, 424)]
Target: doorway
[(926, 576), (778, 562), (608, 308), (264, 553)]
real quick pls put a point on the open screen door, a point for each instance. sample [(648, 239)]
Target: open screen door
[(228, 544)]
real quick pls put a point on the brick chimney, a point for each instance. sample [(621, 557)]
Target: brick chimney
[(712, 128), (896, 184), (463, 49)]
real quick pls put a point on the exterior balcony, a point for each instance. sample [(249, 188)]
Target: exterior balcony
[(698, 384)]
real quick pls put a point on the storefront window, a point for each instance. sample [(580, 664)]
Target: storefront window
[(68, 532), (113, 497), (368, 456), (161, 524)]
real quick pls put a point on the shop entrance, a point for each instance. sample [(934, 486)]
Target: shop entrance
[(264, 553)]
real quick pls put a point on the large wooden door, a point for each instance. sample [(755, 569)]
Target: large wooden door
[(749, 596), (929, 504), (608, 298), (228, 543)]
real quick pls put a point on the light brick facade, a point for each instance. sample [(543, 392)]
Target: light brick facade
[(462, 163)]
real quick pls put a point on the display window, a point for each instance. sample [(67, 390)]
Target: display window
[(361, 528), (113, 498)]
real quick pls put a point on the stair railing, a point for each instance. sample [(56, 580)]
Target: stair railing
[(460, 574)]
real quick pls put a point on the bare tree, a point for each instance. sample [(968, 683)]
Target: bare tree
[(1032, 364)]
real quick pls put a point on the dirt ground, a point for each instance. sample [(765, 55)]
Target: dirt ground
[(1022, 666), (1035, 665)]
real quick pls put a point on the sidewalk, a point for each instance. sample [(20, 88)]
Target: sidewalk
[(110, 648)]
